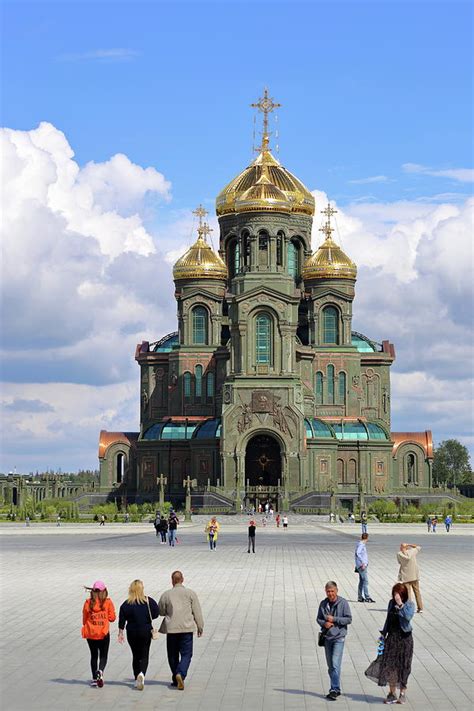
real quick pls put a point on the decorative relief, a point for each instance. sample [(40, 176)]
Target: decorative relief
[(227, 394)]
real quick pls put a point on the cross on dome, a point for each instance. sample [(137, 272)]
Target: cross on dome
[(266, 105), (326, 228), (200, 212)]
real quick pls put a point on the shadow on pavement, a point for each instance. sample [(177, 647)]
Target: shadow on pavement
[(302, 692)]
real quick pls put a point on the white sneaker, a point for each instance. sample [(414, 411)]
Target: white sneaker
[(140, 681)]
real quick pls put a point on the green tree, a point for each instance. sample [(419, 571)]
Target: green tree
[(451, 463)]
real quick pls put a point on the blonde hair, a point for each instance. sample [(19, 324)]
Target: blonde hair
[(136, 593)]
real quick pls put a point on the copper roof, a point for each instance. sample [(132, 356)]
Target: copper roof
[(424, 439), (108, 438)]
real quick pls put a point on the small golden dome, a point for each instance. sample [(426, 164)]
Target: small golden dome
[(200, 261), (265, 185), (329, 262)]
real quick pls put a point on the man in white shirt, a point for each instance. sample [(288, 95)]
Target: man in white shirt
[(361, 565)]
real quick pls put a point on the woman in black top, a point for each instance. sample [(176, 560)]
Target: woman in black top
[(137, 613), (252, 529), (163, 529)]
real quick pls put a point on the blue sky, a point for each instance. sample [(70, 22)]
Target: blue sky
[(377, 115)]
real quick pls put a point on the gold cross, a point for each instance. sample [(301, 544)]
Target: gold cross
[(200, 212), (266, 105), (204, 230), (326, 228), (329, 211)]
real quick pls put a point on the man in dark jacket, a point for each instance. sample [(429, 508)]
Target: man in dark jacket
[(334, 614)]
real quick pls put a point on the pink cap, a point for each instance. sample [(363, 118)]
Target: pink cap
[(99, 585)]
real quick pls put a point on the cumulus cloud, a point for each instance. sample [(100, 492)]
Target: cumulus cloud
[(463, 175)]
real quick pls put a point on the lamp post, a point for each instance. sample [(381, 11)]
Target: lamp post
[(162, 481), (188, 483)]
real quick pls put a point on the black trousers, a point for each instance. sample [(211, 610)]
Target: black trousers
[(139, 641), (252, 542), (99, 652)]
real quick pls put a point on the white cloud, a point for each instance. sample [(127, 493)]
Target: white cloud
[(463, 175), (371, 179)]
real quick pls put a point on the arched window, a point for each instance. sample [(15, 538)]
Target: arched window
[(319, 388), (340, 471), (330, 325), (263, 249), (280, 238), (411, 469), (246, 248), (210, 386), (351, 471), (331, 384), (187, 385), (198, 382), (342, 388), (233, 258), (199, 326), (263, 339), (292, 259), (120, 467)]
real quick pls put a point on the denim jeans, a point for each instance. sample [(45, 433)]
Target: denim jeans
[(363, 591), (334, 649), (179, 647), (172, 536), (364, 527)]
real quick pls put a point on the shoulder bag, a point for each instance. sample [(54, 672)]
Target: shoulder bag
[(154, 633)]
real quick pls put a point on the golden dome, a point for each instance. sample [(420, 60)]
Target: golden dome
[(329, 262), (200, 261), (265, 185)]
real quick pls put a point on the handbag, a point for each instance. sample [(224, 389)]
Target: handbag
[(373, 670), (322, 637), (154, 632)]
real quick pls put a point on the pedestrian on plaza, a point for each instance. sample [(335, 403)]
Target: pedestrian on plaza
[(278, 519), (448, 522), (98, 612), (58, 520), (395, 666), (409, 572), (434, 523), (252, 530), (212, 530), (264, 521), (136, 614), (285, 521), (182, 612), (27, 521), (163, 529), (102, 520), (172, 527), (334, 615), (361, 566), (363, 521), (156, 524), (127, 518), (429, 524)]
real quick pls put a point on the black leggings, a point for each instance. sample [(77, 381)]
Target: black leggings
[(99, 652), (139, 641), (252, 543)]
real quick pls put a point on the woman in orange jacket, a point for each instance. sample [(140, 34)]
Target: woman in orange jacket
[(97, 614)]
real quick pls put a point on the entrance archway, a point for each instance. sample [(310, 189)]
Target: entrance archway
[(263, 470)]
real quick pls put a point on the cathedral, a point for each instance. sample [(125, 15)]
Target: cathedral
[(265, 392)]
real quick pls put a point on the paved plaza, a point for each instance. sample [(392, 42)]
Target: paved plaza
[(259, 649)]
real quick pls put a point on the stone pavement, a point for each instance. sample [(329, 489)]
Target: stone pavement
[(259, 646)]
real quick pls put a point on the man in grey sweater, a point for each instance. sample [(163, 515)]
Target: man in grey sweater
[(182, 615), (334, 614)]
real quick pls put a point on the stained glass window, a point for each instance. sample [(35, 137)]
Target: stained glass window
[(330, 325), (319, 388), (263, 339), (200, 326), (331, 384), (198, 381), (342, 388), (187, 385)]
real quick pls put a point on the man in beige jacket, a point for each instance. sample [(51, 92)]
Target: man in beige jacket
[(409, 572), (182, 612)]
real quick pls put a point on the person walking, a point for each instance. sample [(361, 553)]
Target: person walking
[(136, 614), (448, 522), (285, 521), (58, 520), (182, 616), (395, 666), (98, 612), (252, 530), (172, 527), (334, 615), (409, 572), (363, 521), (163, 529), (278, 519), (102, 520), (434, 523), (428, 524), (361, 565), (27, 521), (212, 530), (156, 524)]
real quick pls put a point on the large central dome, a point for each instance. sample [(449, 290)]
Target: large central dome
[(265, 185)]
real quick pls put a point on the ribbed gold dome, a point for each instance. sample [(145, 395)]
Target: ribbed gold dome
[(265, 186), (200, 262), (329, 262)]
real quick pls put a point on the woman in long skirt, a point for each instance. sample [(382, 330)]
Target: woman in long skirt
[(395, 666)]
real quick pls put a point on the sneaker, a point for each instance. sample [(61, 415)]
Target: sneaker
[(360, 599), (391, 699), (140, 681), (420, 611), (100, 679), (94, 683), (402, 698), (369, 599), (180, 682), (332, 696)]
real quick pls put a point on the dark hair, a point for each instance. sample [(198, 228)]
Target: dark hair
[(177, 577), (402, 590), (364, 536), (99, 596)]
